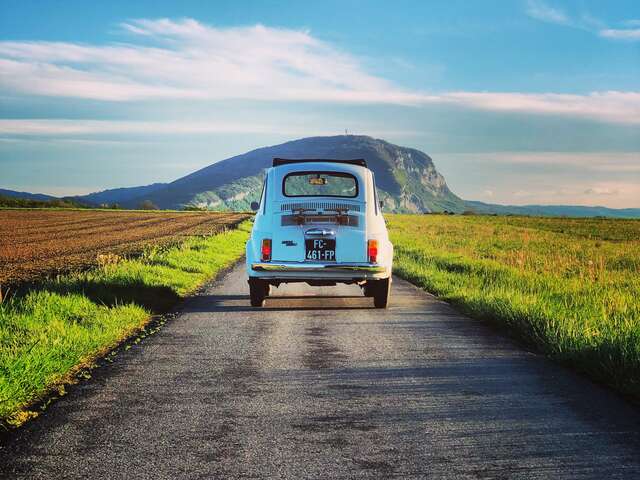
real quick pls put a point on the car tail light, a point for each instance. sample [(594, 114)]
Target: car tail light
[(266, 249), (372, 251)]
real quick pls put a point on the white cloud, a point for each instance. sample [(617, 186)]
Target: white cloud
[(613, 194), (541, 11), (546, 13), (67, 130), (191, 61), (59, 127), (523, 194), (620, 34), (601, 191), (622, 107), (596, 162), (524, 177)]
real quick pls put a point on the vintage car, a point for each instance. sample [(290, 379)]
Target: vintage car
[(319, 221)]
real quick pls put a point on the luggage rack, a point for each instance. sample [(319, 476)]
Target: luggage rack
[(285, 161)]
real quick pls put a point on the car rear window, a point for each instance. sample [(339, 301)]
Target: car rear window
[(320, 184)]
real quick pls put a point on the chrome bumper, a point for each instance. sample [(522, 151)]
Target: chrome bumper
[(317, 267)]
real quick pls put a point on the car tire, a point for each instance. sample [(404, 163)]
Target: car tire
[(382, 293), (368, 289), (257, 292)]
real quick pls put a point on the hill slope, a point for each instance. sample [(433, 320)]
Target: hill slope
[(407, 178), (119, 195), (552, 210), (25, 195)]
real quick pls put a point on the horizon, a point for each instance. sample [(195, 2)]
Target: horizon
[(521, 103)]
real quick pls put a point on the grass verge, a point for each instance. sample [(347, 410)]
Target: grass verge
[(570, 288), (63, 325)]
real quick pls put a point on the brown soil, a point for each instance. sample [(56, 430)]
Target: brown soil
[(37, 243)]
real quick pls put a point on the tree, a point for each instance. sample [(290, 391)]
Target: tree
[(147, 205)]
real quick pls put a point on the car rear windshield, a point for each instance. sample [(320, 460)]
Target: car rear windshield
[(320, 184)]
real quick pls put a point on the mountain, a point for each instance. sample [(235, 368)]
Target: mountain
[(407, 181), (407, 178), (26, 195), (552, 210), (119, 195)]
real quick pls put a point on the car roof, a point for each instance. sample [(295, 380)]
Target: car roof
[(285, 161)]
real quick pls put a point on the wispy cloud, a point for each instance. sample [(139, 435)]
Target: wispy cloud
[(546, 13), (192, 60), (622, 107), (589, 163), (541, 11), (185, 59), (71, 130), (525, 177), (620, 34), (59, 127), (602, 191), (610, 162), (583, 196)]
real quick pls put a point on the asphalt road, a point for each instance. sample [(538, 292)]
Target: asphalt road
[(325, 386)]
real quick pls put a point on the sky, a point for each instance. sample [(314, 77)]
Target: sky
[(517, 102)]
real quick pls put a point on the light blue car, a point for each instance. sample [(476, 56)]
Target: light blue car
[(320, 222)]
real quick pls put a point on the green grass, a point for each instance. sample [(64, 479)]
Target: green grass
[(48, 333), (568, 287)]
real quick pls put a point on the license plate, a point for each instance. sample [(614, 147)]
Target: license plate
[(320, 249)]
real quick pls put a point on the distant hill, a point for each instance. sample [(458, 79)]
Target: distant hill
[(552, 210), (407, 178), (25, 195), (19, 202), (119, 195)]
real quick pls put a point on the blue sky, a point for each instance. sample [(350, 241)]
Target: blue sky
[(516, 101)]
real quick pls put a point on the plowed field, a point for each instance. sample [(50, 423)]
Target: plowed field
[(35, 243)]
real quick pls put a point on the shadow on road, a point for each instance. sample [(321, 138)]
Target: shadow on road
[(240, 303)]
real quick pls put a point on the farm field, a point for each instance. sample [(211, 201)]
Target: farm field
[(36, 243), (570, 288), (58, 326)]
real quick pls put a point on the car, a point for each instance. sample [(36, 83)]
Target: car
[(319, 221)]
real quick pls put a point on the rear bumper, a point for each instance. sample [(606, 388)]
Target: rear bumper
[(300, 267)]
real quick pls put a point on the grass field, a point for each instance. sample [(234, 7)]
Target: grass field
[(34, 243), (62, 325), (568, 287)]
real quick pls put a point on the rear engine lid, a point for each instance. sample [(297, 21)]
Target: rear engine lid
[(322, 231)]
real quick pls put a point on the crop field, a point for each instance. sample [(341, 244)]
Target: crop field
[(568, 287), (35, 243), (59, 326)]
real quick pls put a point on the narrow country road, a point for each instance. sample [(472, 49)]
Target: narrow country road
[(325, 386)]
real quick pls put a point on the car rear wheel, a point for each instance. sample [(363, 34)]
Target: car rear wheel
[(381, 292), (368, 289), (257, 291)]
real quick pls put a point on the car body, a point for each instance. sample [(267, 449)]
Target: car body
[(319, 221)]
